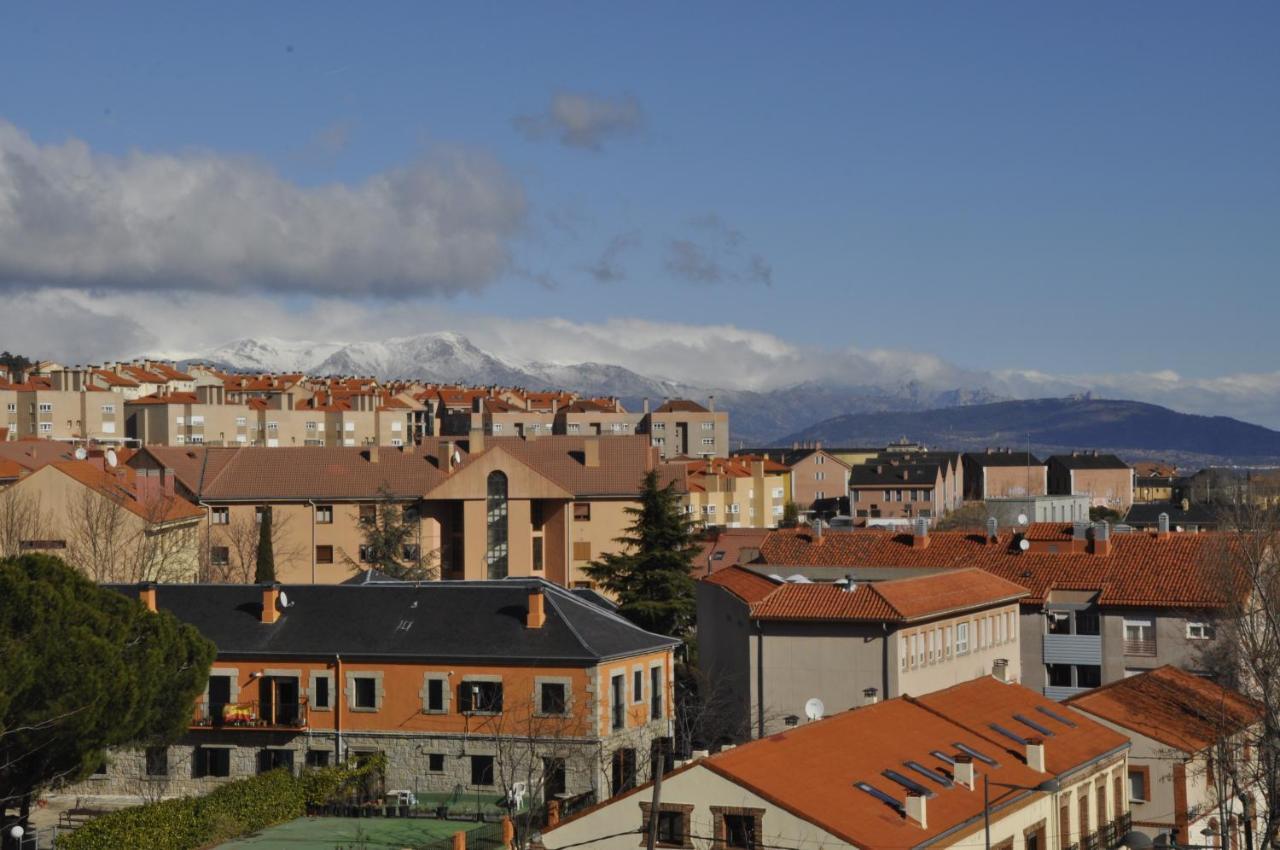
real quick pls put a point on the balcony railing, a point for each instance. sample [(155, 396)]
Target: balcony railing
[(1133, 646), (250, 715)]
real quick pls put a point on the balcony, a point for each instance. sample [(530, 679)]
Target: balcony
[(251, 715), (1133, 646), (1072, 649)]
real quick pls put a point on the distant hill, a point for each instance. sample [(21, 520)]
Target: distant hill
[(1129, 428)]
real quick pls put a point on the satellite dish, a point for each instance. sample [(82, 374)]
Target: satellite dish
[(814, 709), (111, 457), (1022, 519), (1024, 545), (81, 454), (284, 599), (457, 457)]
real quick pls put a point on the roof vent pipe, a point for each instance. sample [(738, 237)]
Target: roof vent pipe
[(993, 528), (1162, 525), (870, 696)]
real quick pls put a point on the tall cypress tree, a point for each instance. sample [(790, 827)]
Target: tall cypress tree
[(266, 571), (651, 576)]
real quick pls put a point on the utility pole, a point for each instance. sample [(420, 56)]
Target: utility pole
[(657, 751)]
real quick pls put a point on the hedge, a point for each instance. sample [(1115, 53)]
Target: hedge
[(232, 810)]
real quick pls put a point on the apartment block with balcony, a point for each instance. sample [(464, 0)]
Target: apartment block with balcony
[(442, 678), (1102, 604), (737, 492)]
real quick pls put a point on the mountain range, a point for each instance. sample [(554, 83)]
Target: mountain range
[(957, 417)]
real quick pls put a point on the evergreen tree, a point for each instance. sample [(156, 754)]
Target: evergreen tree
[(266, 569), (391, 540), (651, 576), (84, 669), (790, 515)]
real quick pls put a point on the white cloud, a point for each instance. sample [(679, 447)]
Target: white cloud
[(70, 217), (78, 326), (712, 253), (581, 120)]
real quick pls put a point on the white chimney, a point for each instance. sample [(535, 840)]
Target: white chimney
[(870, 696), (917, 808), (1035, 754), (962, 771), (1000, 669)]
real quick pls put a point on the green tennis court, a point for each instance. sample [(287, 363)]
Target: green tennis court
[(351, 833)]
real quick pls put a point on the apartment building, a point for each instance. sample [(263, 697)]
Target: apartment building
[(684, 428), (599, 417), (982, 764), (1102, 605), (1004, 474), (730, 492), (1104, 478), (1155, 482), (815, 474), (482, 507), (459, 684), (111, 522), (1176, 721), (896, 493), (769, 644), (63, 406)]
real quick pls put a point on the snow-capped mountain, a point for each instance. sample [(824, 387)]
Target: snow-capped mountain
[(269, 354)]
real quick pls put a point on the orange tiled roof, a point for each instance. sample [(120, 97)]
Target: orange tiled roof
[(1171, 706), (142, 375), (170, 372), (1180, 571), (744, 584), (896, 600), (681, 405), (9, 469), (113, 379), (1049, 531), (170, 398), (152, 505)]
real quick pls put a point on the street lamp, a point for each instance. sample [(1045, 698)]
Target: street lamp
[(1049, 786)]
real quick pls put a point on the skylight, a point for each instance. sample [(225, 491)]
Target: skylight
[(1027, 721), (929, 773), (941, 756), (879, 795), (1058, 717), (907, 782), (1013, 736), (979, 756)]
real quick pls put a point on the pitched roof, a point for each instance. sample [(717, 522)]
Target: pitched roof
[(447, 620), (1001, 457), (983, 704), (144, 499), (1088, 460), (895, 600), (680, 405), (894, 474), (1180, 571), (1171, 706), (114, 379), (744, 584), (33, 454)]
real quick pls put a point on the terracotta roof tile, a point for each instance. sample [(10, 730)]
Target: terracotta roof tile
[(744, 584), (1180, 571), (152, 505), (681, 405), (1171, 706), (895, 600)]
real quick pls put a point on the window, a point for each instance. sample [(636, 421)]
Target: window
[(497, 428), (273, 426), (671, 828), (538, 565), (212, 761), (47, 407), (741, 830), (11, 407), (655, 693), (637, 685), (482, 771), (366, 693), (496, 525), (368, 514), (819, 476), (273, 759), (582, 511), (904, 656), (258, 513), (46, 426), (219, 556), (410, 552), (777, 492), (321, 699), (582, 550), (573, 428), (962, 638), (324, 514), (220, 516), (623, 774), (241, 421), (396, 442), (1088, 675), (346, 426), (711, 426), (618, 702), (1137, 786), (317, 758), (157, 761), (109, 409), (708, 441), (435, 696), (1199, 631), (946, 641), (480, 696), (197, 420), (1059, 675), (710, 510), (435, 763), (551, 698), (324, 554), (1139, 636), (366, 553)]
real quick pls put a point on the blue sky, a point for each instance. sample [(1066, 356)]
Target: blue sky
[(1086, 188)]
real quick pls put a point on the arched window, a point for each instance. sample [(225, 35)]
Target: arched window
[(495, 554)]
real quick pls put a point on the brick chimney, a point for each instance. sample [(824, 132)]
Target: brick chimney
[(537, 616), (147, 595), (270, 603), (591, 452), (1035, 755), (962, 771), (1102, 538), (920, 533)]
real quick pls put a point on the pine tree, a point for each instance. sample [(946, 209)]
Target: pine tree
[(651, 576), (266, 571)]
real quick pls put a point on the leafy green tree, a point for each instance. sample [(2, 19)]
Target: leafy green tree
[(392, 541), (84, 669), (790, 515), (266, 568), (651, 574)]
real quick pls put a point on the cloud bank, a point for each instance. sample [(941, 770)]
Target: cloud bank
[(79, 326), (581, 120), (70, 217)]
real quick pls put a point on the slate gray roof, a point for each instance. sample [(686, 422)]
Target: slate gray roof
[(478, 621), (1088, 460), (1002, 458)]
